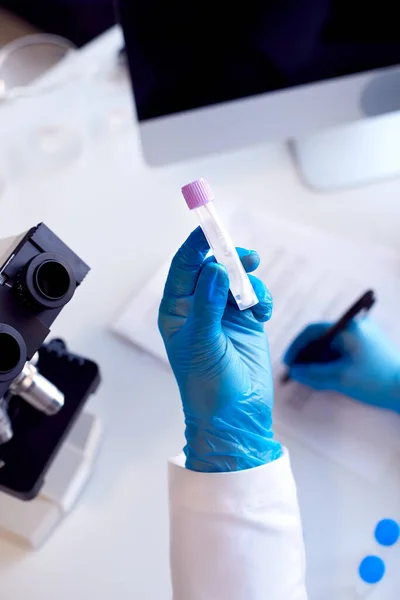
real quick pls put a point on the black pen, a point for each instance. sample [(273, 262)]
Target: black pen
[(320, 350)]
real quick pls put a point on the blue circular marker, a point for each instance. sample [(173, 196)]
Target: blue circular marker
[(372, 569), (387, 532)]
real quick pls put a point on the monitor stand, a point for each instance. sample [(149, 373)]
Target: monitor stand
[(350, 155)]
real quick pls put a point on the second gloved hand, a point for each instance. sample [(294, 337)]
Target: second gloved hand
[(368, 370), (220, 359)]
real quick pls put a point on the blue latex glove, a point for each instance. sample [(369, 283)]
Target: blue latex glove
[(368, 370), (220, 359)]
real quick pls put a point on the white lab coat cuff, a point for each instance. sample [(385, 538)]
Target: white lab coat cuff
[(230, 492), (237, 535)]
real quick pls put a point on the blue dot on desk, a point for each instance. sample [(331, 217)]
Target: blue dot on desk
[(372, 569), (387, 532)]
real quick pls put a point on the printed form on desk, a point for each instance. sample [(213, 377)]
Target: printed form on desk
[(312, 276)]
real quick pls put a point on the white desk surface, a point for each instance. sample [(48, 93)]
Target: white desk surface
[(123, 218)]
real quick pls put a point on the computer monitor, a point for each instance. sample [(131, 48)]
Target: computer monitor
[(215, 76)]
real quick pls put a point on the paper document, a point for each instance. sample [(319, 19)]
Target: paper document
[(312, 277)]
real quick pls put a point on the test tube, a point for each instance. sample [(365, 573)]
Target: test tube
[(200, 199)]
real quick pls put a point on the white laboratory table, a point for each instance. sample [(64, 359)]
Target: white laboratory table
[(124, 218)]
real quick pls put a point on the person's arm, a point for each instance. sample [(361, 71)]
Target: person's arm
[(368, 369), (235, 524), (236, 535)]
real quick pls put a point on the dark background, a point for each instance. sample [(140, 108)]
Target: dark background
[(185, 54), (78, 20)]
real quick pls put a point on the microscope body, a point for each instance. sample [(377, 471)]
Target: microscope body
[(39, 401)]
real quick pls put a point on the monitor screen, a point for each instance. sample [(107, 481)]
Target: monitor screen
[(186, 55)]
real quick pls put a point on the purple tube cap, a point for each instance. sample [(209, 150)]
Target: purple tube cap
[(197, 193)]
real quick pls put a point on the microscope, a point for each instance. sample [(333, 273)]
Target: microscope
[(43, 387)]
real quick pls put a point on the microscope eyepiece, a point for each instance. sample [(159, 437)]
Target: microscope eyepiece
[(52, 280), (46, 282), (10, 352)]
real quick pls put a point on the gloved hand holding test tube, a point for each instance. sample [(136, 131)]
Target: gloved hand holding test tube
[(218, 353), (199, 198)]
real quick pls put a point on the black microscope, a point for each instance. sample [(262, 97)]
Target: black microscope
[(43, 387)]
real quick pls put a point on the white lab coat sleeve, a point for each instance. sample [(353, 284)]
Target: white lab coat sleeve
[(236, 536)]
